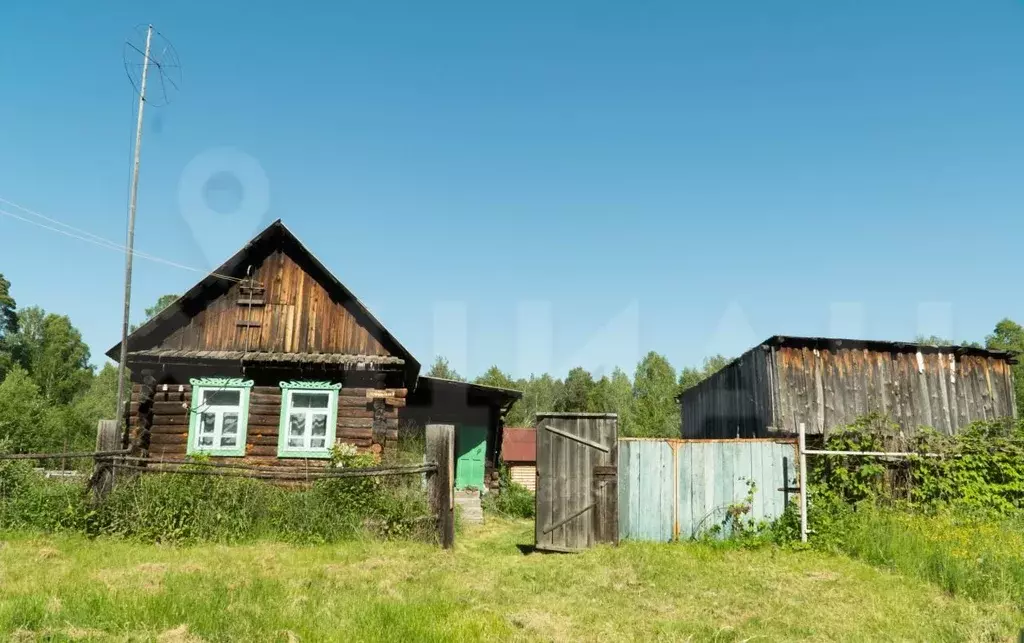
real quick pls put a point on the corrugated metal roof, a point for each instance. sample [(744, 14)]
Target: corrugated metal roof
[(519, 444), (165, 354)]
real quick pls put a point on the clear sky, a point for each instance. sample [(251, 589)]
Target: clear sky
[(540, 184)]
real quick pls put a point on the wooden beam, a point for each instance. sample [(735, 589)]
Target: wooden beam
[(589, 443), (440, 449)]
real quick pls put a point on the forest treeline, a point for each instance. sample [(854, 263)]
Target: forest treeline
[(51, 395)]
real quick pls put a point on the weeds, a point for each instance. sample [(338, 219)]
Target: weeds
[(513, 500), (178, 508)]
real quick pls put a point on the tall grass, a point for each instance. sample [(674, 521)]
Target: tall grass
[(975, 555), (185, 508)]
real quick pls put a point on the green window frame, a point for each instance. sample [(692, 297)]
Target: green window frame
[(219, 416), (304, 405)]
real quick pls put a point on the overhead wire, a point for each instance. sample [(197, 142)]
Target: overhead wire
[(95, 239)]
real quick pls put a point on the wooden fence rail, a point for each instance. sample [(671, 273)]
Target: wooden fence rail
[(295, 473), (58, 456)]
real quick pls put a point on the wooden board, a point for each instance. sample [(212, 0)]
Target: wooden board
[(577, 481)]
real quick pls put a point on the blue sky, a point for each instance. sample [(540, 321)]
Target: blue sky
[(539, 184)]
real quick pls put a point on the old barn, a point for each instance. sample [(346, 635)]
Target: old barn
[(271, 359), (826, 383)]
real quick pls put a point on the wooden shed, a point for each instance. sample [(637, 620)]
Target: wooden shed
[(270, 359), (827, 383), (519, 453)]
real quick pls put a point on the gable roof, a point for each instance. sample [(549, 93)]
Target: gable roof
[(519, 444), (273, 237)]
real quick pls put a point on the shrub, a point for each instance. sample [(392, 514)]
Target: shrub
[(178, 507), (512, 499)]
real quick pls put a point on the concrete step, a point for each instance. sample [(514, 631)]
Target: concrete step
[(469, 505)]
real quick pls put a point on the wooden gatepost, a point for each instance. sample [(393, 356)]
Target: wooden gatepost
[(440, 448)]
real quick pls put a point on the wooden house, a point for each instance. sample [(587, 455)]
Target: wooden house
[(271, 359), (826, 383), (519, 454)]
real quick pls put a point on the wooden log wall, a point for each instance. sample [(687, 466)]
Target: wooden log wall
[(167, 418)]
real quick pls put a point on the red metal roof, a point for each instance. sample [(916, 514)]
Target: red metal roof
[(519, 444)]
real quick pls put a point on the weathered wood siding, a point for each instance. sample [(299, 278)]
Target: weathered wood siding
[(576, 480), (680, 489), (782, 386), (168, 420), (297, 316), (735, 402), (524, 474), (830, 388)]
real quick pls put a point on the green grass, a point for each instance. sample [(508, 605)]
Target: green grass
[(67, 587), (968, 555)]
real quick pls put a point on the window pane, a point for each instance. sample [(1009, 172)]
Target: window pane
[(317, 443), (222, 398), (297, 424), (295, 442), (206, 440), (228, 440), (229, 424), (319, 425), (317, 400), (207, 421)]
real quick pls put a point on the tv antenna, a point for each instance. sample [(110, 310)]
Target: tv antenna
[(144, 51)]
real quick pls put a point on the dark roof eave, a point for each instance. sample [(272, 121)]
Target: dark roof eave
[(833, 343)]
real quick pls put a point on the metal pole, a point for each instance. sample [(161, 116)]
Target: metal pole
[(131, 236), (802, 446)]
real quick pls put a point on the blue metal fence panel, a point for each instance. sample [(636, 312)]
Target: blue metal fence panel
[(672, 489)]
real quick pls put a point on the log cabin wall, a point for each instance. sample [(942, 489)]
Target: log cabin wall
[(161, 427), (293, 313)]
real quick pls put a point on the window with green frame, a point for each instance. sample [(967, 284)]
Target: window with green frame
[(309, 416), (219, 416)]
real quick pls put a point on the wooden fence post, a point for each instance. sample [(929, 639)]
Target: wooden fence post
[(107, 439), (440, 448)]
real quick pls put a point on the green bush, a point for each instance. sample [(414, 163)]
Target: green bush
[(512, 499), (176, 508)]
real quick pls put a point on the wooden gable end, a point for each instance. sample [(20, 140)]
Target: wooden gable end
[(289, 311)]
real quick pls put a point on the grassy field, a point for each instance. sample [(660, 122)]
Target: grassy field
[(72, 588)]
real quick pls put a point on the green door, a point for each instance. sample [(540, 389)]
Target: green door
[(470, 446)]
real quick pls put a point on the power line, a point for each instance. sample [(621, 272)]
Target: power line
[(89, 237)]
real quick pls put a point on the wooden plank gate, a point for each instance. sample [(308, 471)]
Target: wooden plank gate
[(577, 480)]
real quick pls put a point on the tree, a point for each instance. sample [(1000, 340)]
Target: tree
[(655, 412), (51, 349), (22, 413), (691, 376), (162, 302), (8, 326), (441, 369), (494, 376), (539, 394), (1008, 335), (576, 391), (8, 309), (614, 395), (99, 401), (935, 340)]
